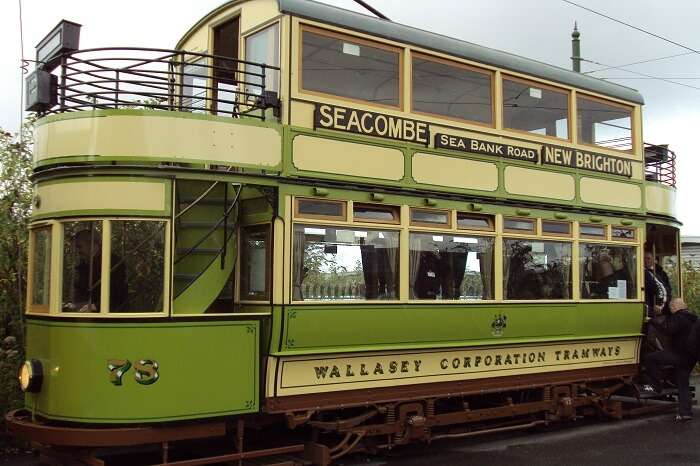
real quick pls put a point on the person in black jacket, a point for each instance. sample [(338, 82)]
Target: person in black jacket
[(677, 326), (657, 286)]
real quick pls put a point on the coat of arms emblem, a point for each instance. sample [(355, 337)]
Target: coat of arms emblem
[(498, 325)]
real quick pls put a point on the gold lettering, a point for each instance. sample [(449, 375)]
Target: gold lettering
[(422, 132), (395, 128), (326, 119), (366, 128), (381, 131), (338, 116), (409, 130), (354, 120)]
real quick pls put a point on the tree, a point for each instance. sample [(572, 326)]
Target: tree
[(15, 208), (691, 285)]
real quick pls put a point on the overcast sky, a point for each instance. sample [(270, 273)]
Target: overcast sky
[(538, 29)]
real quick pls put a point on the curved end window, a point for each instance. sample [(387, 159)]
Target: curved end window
[(40, 278), (137, 263), (135, 260)]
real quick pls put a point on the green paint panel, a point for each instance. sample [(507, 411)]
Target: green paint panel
[(205, 369), (335, 328)]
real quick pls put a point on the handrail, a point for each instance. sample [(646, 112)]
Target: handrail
[(227, 212), (168, 80), (222, 250)]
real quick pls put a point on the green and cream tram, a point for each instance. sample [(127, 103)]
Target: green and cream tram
[(364, 232)]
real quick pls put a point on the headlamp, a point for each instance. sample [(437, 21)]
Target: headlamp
[(31, 375)]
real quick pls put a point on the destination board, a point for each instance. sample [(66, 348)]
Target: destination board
[(356, 121), (584, 160), (477, 146)]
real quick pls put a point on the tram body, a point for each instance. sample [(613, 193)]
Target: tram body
[(339, 223)]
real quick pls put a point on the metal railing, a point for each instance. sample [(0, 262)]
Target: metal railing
[(659, 160), (169, 80), (660, 164)]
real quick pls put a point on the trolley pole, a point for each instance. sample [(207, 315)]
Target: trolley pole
[(576, 50)]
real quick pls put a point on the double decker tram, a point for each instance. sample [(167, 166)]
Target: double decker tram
[(306, 231)]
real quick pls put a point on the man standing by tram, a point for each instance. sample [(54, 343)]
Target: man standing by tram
[(657, 287)]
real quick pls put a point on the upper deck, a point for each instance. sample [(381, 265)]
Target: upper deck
[(306, 91)]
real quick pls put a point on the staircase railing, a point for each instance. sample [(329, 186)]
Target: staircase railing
[(222, 251)]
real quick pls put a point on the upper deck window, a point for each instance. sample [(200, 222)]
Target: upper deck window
[(452, 90), (263, 47), (535, 108), (349, 67), (603, 124)]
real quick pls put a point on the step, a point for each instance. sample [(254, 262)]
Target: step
[(199, 251), (202, 224)]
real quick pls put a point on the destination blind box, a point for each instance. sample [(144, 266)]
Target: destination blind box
[(65, 37), (42, 91)]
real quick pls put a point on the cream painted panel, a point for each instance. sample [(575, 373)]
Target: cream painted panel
[(257, 12), (198, 41), (454, 172), (661, 200), (100, 195), (612, 193), (539, 183), (347, 158), (302, 114), (160, 137)]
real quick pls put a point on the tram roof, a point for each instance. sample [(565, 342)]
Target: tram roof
[(321, 12)]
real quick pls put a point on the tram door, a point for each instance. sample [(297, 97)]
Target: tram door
[(225, 67), (664, 244)]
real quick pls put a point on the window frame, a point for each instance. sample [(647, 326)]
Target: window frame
[(400, 51), (105, 313), (612, 104), (30, 307), (393, 228), (574, 294), (243, 39), (570, 234), (633, 239), (267, 298), (337, 218), (606, 233), (395, 210), (513, 231), (489, 218), (534, 83), (447, 225), (639, 278), (443, 61), (457, 233)]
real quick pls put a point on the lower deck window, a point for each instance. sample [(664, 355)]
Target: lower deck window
[(608, 272), (450, 267), (254, 262), (345, 264), (536, 269), (41, 269), (136, 266), (82, 266)]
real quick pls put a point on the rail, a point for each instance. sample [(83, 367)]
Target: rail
[(660, 164), (168, 80), (659, 160)]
